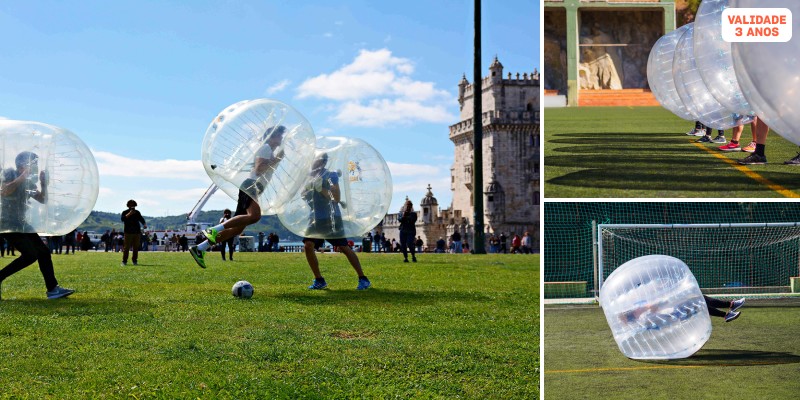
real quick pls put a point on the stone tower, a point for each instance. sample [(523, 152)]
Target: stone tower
[(510, 154)]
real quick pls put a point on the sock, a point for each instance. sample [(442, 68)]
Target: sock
[(218, 227), (364, 277), (698, 125), (760, 149), (721, 132), (203, 246), (319, 279), (734, 142), (708, 131)]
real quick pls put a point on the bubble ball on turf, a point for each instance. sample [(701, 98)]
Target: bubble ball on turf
[(769, 73), (319, 210), (242, 290), (714, 60), (262, 147), (655, 309), (659, 74), (693, 90), (60, 170)]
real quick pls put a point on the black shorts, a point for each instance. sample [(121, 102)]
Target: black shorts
[(319, 242), (254, 189)]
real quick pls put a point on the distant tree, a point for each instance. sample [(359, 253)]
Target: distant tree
[(686, 11)]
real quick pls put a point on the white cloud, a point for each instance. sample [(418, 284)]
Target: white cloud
[(277, 87), (110, 164), (327, 34), (377, 89)]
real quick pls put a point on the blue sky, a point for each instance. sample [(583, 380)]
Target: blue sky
[(139, 81)]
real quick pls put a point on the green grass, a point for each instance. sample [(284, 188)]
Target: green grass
[(755, 357), (450, 326), (644, 152)]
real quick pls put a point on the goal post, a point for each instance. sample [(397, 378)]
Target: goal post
[(754, 259)]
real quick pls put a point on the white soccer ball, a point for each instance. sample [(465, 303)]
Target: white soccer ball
[(242, 290)]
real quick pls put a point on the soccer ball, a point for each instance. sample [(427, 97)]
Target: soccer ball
[(242, 290)]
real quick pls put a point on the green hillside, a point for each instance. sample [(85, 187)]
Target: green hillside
[(99, 221)]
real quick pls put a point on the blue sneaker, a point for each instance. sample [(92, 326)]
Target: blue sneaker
[(59, 292), (319, 284), (731, 315), (363, 284), (737, 304)]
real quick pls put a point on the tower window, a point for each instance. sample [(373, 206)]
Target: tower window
[(490, 198)]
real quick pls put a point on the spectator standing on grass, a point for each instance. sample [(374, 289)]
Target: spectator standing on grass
[(457, 246), (86, 241), (226, 216), (503, 241), (527, 243), (132, 218), (440, 245), (69, 241), (516, 244), (419, 244)]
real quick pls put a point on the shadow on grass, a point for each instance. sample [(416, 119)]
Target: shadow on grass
[(399, 297), (734, 358), (71, 307)]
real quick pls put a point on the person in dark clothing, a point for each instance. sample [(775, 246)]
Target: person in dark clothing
[(69, 241), (456, 238), (715, 304), (131, 218), (226, 215), (440, 245), (408, 229), (503, 246), (16, 187)]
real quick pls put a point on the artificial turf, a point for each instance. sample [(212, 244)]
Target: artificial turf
[(643, 152), (756, 356)]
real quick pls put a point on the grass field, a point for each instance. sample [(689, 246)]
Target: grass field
[(450, 326), (754, 357), (644, 152)]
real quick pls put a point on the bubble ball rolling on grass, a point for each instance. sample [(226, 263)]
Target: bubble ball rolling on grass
[(262, 147), (59, 170), (346, 192), (655, 309)]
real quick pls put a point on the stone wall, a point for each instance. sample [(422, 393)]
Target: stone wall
[(616, 67)]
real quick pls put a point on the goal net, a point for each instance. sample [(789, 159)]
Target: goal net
[(731, 248)]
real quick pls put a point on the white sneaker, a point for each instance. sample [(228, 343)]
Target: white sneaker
[(59, 292)]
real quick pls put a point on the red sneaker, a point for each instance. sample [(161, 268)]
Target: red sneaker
[(729, 147)]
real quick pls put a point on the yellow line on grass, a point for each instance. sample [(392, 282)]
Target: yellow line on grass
[(750, 173), (570, 371)]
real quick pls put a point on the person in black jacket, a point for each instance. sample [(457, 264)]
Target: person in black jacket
[(131, 218), (408, 229)]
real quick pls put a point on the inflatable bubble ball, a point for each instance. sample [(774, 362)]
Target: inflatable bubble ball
[(659, 74), (49, 179), (769, 73), (346, 192), (714, 60), (262, 147), (655, 309), (693, 90)]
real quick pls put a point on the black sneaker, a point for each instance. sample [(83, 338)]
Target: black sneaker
[(704, 139), (793, 161), (753, 159)]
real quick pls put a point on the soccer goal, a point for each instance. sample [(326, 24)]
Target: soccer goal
[(753, 259)]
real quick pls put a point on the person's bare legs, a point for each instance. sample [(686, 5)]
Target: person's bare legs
[(235, 226), (352, 257), (311, 256)]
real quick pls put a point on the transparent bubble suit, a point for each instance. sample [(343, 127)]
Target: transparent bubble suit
[(714, 60), (769, 73), (70, 177), (249, 132), (693, 90), (659, 74), (655, 309), (364, 191)]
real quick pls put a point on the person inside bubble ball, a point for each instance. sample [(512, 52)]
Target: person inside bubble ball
[(323, 196), (19, 185), (248, 212)]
